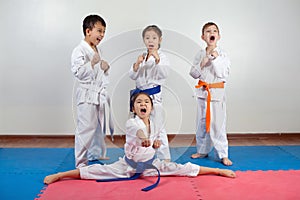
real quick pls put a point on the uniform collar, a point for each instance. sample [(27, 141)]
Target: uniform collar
[(87, 46)]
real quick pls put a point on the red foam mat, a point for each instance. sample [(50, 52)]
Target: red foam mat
[(248, 185), (275, 185)]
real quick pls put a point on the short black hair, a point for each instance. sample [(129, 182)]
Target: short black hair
[(209, 24), (90, 21)]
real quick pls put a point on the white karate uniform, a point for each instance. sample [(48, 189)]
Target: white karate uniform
[(91, 96), (216, 70), (134, 151), (150, 75)]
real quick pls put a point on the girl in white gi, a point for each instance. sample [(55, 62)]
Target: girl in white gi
[(141, 143), (91, 73), (150, 72), (211, 66)]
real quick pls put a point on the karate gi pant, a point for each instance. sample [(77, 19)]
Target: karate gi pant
[(89, 136), (120, 169), (217, 137), (163, 152)]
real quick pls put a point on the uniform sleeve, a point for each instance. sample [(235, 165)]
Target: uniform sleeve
[(195, 71), (131, 130), (132, 74), (81, 68), (162, 67), (221, 65)]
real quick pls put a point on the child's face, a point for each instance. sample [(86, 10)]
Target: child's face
[(211, 35), (142, 106), (95, 35), (152, 40)]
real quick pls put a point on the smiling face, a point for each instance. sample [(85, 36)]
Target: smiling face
[(94, 36), (152, 40), (211, 35), (142, 106)]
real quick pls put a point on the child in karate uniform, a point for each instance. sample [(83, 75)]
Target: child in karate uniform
[(92, 75), (211, 66), (149, 73), (141, 143)]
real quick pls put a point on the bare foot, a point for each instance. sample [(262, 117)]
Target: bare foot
[(104, 158), (51, 178), (227, 173), (226, 161), (198, 155)]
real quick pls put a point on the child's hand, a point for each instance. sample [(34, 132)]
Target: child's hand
[(204, 62), (104, 66), (138, 62), (214, 54), (154, 53), (156, 144), (146, 142), (96, 59)]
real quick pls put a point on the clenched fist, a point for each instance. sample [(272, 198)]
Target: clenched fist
[(104, 65), (96, 59)]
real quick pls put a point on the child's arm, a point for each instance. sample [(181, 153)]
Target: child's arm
[(221, 64), (145, 142), (162, 65), (95, 60), (196, 68), (204, 62), (139, 60), (133, 72), (155, 55), (135, 134), (104, 66), (81, 68)]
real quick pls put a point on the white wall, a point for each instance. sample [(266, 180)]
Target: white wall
[(261, 38)]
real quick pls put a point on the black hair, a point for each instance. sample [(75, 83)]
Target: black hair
[(152, 28), (135, 96), (90, 21), (209, 24)]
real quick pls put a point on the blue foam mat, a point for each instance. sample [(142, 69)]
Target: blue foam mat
[(22, 170), (248, 158)]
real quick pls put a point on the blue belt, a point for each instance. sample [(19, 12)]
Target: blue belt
[(140, 168), (149, 91)]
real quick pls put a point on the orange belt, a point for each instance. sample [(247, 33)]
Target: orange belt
[(207, 86)]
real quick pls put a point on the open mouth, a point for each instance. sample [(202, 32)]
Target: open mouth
[(143, 110), (212, 37), (151, 46)]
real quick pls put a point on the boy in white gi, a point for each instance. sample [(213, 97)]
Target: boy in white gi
[(91, 95), (142, 140), (150, 72), (211, 66)]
